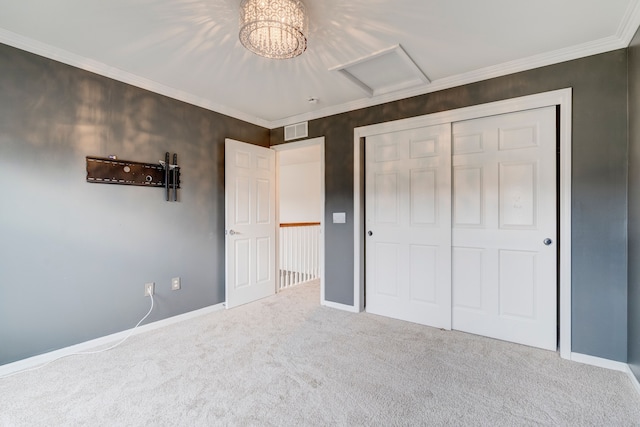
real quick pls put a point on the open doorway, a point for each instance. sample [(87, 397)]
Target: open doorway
[(300, 186)]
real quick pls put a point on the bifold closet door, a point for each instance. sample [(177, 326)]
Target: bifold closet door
[(408, 225), (504, 252)]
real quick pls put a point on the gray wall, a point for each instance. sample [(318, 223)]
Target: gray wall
[(634, 205), (74, 256), (599, 202)]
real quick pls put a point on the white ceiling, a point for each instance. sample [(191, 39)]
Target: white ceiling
[(189, 49)]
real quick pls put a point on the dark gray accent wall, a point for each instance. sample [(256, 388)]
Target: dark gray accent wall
[(599, 216), (634, 206), (74, 256)]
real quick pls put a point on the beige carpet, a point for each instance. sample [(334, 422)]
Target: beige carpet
[(287, 361)]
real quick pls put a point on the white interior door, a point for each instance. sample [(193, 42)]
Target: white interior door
[(504, 210), (250, 222), (408, 211)]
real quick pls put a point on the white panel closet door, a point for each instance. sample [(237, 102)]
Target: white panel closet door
[(504, 208), (250, 222), (408, 211)]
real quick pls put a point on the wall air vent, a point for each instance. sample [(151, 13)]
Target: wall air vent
[(388, 70), (299, 130)]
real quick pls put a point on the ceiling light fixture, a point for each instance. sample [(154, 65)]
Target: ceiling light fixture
[(274, 28)]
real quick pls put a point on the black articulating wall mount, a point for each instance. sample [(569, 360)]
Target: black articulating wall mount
[(110, 170)]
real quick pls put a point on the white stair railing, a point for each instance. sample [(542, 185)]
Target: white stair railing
[(299, 253)]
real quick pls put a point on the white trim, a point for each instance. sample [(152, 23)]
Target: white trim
[(599, 362), (621, 40), (339, 306), (634, 380), (87, 64), (630, 24), (291, 146), (276, 268), (298, 144), (607, 364), (627, 29), (41, 359), (563, 98), (565, 259), (358, 221)]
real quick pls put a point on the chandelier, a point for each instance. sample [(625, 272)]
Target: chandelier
[(273, 28)]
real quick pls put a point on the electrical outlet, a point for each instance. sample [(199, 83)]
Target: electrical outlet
[(175, 284), (149, 288)]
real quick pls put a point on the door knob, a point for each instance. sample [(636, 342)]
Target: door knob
[(370, 233), (232, 232), (547, 241)]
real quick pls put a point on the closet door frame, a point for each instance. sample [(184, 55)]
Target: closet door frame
[(561, 98)]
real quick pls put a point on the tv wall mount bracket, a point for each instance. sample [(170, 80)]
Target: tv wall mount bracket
[(110, 170)]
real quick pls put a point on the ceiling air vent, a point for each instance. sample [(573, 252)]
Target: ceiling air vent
[(299, 130)]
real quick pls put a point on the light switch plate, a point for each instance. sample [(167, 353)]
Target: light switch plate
[(339, 217)]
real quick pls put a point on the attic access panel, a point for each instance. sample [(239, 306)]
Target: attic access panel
[(385, 71)]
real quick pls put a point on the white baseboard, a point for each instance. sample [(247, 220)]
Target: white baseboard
[(608, 364), (41, 359), (634, 380), (599, 361), (339, 306)]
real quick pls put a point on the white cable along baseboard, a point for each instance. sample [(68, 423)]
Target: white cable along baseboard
[(41, 359)]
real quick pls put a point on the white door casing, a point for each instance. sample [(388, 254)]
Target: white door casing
[(250, 222), (408, 210), (504, 210), (302, 144)]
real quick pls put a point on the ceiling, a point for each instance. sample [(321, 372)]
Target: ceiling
[(189, 49)]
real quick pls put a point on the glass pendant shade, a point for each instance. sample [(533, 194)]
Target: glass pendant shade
[(273, 28)]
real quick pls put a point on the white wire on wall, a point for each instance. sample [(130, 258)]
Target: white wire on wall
[(82, 353)]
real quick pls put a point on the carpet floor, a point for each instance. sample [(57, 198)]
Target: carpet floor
[(286, 361)]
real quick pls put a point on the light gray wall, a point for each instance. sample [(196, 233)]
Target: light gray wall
[(634, 205), (599, 217), (74, 256)]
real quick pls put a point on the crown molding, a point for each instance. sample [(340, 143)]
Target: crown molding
[(603, 45), (630, 24), (87, 64), (624, 34)]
